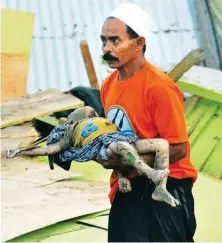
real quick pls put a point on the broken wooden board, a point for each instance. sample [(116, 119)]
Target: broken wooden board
[(19, 131), (204, 121), (26, 170), (208, 78), (43, 206), (198, 90), (43, 198), (193, 57), (94, 228), (59, 229), (18, 110), (203, 82)]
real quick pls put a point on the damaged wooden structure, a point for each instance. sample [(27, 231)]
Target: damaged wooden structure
[(60, 206)]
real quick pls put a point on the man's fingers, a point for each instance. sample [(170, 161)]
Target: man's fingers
[(112, 155)]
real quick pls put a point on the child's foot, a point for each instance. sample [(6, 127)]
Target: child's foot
[(163, 195), (11, 153), (157, 176), (124, 185)]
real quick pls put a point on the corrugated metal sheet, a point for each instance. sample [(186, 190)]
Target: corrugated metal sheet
[(216, 10), (60, 25)]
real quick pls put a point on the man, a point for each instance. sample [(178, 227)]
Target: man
[(141, 99)]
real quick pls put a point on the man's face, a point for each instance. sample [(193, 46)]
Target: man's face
[(117, 48)]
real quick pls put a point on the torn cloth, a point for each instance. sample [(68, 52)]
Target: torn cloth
[(97, 147)]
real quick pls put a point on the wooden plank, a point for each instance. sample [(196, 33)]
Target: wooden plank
[(50, 195), (14, 75), (15, 111), (48, 120), (61, 228), (196, 114), (41, 235), (204, 121), (207, 141), (30, 171), (203, 82), (19, 131), (47, 205), (193, 57), (213, 166), (17, 28), (208, 78), (190, 103), (200, 91), (214, 134), (208, 220)]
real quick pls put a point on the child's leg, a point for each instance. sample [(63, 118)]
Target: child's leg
[(157, 145), (35, 151), (124, 182), (161, 148), (131, 157)]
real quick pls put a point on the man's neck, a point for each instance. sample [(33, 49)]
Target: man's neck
[(130, 69)]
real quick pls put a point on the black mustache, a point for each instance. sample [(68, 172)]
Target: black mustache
[(109, 57)]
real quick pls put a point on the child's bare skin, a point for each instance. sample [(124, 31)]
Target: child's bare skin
[(130, 156)]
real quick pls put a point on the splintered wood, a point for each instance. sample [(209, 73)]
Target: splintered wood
[(18, 110)]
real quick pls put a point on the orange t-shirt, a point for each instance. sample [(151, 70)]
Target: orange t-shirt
[(149, 104)]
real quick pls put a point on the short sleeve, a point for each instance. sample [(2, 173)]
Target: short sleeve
[(105, 86), (167, 109)]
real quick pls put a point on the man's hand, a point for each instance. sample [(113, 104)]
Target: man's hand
[(116, 163), (113, 163)]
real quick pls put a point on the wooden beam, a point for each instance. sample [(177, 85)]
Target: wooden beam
[(200, 90), (89, 64), (192, 58)]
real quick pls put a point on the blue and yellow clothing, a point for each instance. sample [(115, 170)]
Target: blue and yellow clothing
[(92, 136), (89, 129)]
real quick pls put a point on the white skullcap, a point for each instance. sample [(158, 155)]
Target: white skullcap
[(135, 17)]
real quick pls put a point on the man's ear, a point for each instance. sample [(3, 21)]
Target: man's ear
[(140, 43)]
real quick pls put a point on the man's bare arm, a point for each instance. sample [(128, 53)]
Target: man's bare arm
[(116, 163), (177, 152)]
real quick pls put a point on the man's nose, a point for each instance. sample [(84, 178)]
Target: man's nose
[(107, 47)]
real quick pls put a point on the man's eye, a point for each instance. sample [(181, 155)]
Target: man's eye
[(103, 42), (115, 41)]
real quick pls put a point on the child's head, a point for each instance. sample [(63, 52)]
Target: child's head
[(81, 113)]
